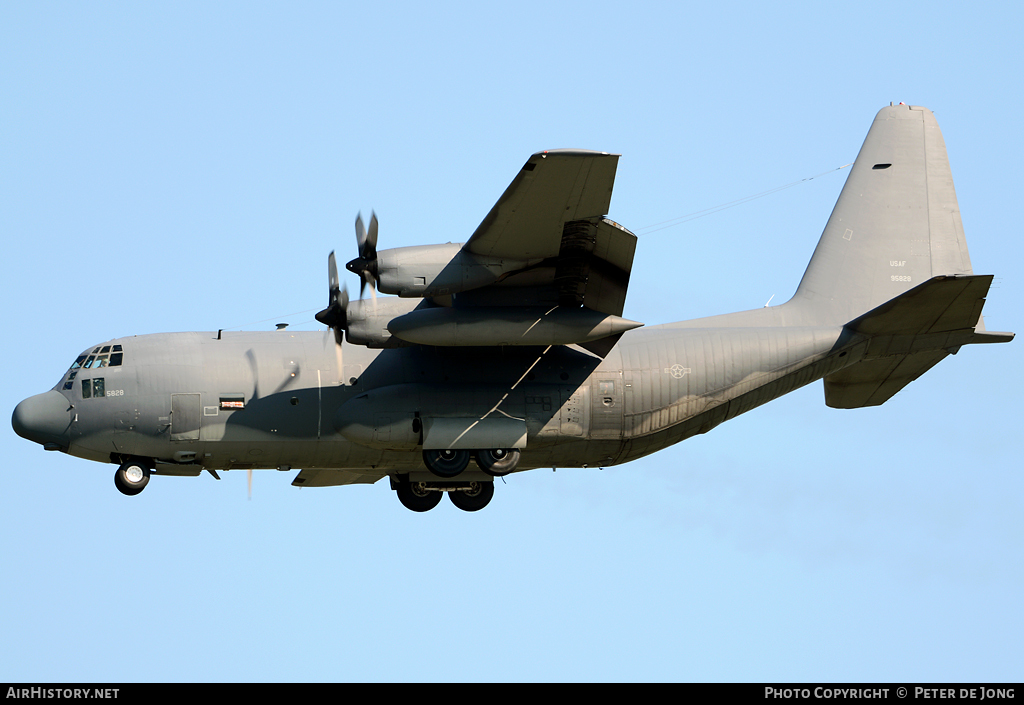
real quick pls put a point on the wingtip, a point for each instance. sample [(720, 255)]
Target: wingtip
[(573, 153)]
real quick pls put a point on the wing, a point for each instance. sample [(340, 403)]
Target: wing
[(552, 215), (552, 188)]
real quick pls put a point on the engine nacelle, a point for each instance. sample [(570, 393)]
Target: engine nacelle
[(438, 270), (507, 325), (368, 320)]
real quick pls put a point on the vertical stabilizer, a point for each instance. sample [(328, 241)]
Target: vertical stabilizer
[(896, 223)]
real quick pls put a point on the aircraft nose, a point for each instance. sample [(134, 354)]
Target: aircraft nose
[(44, 418)]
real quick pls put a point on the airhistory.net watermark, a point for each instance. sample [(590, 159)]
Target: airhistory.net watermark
[(62, 693)]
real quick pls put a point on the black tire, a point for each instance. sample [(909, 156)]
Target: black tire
[(474, 499), (413, 496), (499, 461), (131, 477), (446, 463)]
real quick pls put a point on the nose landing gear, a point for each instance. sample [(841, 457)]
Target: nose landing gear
[(131, 477)]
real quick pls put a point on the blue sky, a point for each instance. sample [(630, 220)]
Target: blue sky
[(189, 167)]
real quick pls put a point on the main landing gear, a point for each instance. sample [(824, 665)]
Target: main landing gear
[(447, 464), (131, 477), (423, 496)]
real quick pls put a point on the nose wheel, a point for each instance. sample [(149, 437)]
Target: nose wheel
[(131, 477)]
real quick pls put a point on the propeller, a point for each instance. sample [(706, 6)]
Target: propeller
[(336, 314), (365, 265)]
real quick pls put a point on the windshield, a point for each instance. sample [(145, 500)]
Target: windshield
[(101, 356)]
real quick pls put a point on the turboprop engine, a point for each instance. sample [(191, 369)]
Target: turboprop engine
[(507, 325), (423, 270), (437, 270)]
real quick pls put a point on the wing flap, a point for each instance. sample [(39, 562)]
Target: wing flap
[(608, 272)]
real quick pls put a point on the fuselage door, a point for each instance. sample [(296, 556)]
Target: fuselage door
[(606, 407), (186, 414)]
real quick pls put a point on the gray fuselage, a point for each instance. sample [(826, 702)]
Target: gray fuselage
[(269, 399)]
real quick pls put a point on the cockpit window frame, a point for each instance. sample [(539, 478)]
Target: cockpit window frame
[(103, 356)]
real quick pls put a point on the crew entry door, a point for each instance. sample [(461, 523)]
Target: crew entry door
[(186, 414)]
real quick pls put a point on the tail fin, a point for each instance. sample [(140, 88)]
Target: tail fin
[(892, 265), (896, 224)]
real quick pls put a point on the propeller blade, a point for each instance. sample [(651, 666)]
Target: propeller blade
[(365, 265), (332, 277), (371, 238), (365, 278), (250, 484), (360, 235), (335, 315)]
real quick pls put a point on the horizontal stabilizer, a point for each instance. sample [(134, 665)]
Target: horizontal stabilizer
[(874, 382), (941, 304), (909, 335)]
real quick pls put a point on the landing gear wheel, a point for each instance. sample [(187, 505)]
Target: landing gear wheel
[(473, 499), (446, 463), (131, 477), (498, 462), (415, 496)]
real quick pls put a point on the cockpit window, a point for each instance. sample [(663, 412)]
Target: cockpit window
[(107, 356), (93, 388)]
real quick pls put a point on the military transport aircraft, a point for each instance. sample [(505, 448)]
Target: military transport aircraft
[(509, 352)]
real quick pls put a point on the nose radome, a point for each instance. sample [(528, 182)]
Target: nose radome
[(44, 418)]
